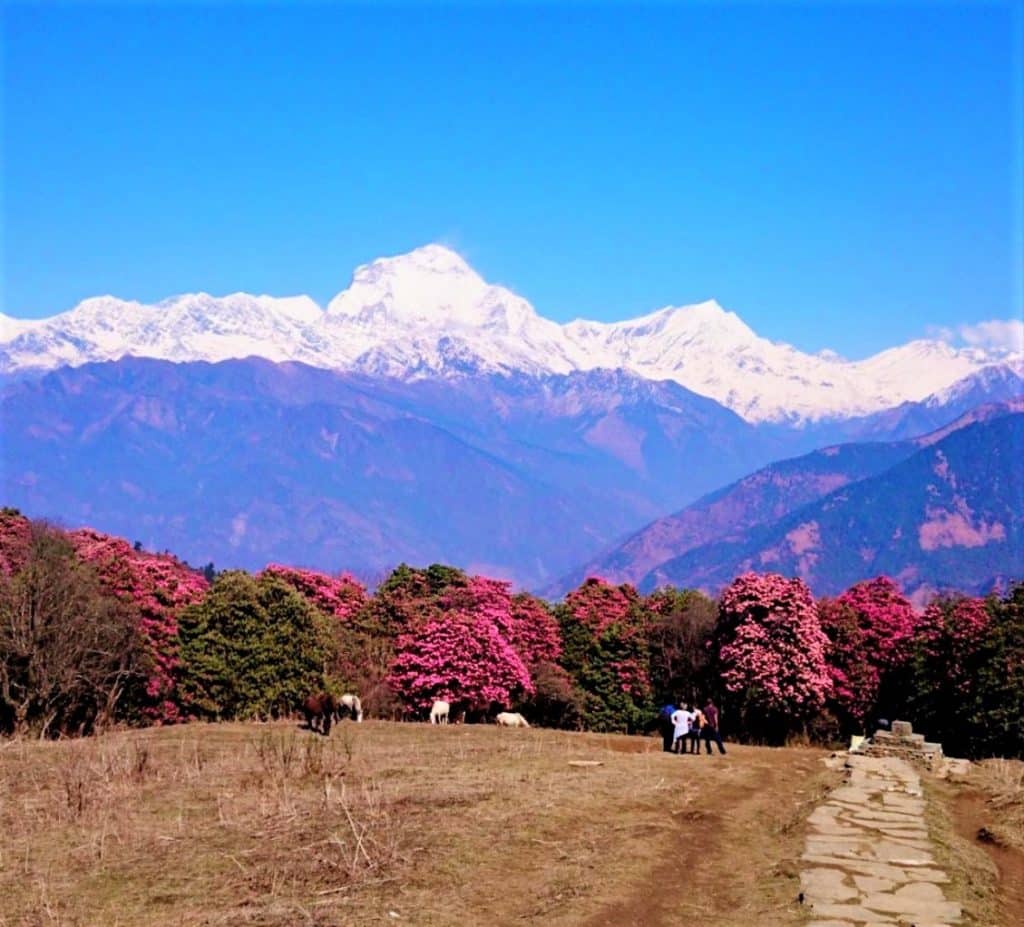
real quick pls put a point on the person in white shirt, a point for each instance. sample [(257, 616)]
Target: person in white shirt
[(681, 718)]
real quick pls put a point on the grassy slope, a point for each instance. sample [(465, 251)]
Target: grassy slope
[(268, 824)]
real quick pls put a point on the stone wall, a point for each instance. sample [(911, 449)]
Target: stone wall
[(903, 743)]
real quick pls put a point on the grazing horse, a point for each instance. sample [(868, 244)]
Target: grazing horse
[(511, 719), (439, 712), (349, 706), (319, 711)]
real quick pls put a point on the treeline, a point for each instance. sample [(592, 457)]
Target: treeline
[(95, 632)]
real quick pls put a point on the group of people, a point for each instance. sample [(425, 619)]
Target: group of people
[(684, 726)]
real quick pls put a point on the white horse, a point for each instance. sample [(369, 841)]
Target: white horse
[(511, 719), (350, 703), (439, 712)]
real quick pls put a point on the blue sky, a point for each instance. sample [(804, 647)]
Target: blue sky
[(842, 176)]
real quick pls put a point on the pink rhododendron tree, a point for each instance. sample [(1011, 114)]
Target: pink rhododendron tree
[(337, 596), (856, 675), (459, 656), (887, 619), (870, 628), (951, 632), (534, 632), (597, 604), (157, 586), (771, 653), (523, 620)]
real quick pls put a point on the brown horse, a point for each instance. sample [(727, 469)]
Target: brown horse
[(319, 711)]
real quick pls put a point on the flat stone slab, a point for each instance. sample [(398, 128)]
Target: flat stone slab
[(868, 858), (827, 885)]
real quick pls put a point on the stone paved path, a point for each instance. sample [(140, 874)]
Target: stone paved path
[(868, 858)]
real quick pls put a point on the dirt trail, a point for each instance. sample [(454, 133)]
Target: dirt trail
[(973, 820), (731, 859)]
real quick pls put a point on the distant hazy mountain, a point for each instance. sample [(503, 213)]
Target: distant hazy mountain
[(732, 512), (244, 462), (427, 314), (949, 515)]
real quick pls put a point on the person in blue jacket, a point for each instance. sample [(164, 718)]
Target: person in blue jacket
[(666, 728)]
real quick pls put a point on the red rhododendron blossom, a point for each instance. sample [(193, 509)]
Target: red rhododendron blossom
[(523, 620), (534, 631), (614, 616)]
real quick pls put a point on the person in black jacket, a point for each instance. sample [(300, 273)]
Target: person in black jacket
[(710, 730)]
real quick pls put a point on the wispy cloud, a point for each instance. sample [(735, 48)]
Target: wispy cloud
[(1000, 334)]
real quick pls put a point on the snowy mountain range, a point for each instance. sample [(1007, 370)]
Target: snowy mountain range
[(428, 314)]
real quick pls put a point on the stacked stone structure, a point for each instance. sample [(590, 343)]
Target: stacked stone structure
[(903, 743)]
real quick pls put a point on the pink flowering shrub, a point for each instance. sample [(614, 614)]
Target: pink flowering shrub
[(474, 642), (157, 587), (15, 540), (523, 620), (870, 628), (458, 656), (598, 604), (771, 653), (886, 618), (951, 633), (534, 632), (337, 596), (856, 676)]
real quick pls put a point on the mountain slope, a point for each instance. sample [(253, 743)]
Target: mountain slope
[(770, 493), (428, 314), (950, 515), (243, 462), (728, 514)]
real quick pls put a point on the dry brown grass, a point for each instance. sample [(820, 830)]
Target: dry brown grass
[(396, 823), (978, 828), (1003, 782)]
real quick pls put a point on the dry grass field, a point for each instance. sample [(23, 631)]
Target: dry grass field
[(987, 813), (397, 824)]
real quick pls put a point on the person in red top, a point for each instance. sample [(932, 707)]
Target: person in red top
[(710, 730)]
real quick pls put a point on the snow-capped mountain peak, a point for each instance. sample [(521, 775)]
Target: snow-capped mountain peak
[(426, 288), (428, 313)]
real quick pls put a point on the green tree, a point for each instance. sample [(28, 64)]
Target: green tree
[(997, 727), (682, 622), (604, 649), (251, 649)]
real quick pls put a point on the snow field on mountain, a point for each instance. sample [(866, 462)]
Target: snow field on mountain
[(428, 313)]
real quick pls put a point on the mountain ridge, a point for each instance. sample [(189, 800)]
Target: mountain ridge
[(243, 462), (934, 520), (733, 511), (429, 314)]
